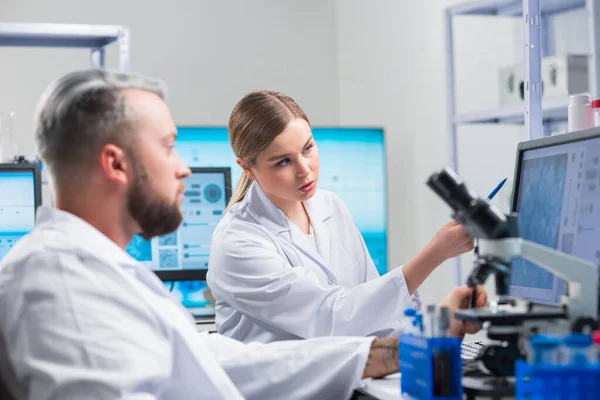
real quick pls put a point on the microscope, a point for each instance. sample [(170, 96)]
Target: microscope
[(510, 321)]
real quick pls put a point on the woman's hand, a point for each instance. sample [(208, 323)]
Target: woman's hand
[(451, 241)]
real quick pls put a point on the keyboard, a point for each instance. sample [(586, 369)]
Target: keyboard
[(469, 351)]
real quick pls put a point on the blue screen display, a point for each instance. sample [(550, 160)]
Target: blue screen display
[(187, 248), (352, 165), (558, 205), (17, 207)]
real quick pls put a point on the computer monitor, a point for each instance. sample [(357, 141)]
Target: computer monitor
[(352, 165), (557, 197), (20, 196), (183, 254)]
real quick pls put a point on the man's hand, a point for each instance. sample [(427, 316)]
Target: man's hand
[(383, 358), (459, 299)]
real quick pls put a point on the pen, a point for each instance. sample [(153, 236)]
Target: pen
[(473, 297), (497, 189)]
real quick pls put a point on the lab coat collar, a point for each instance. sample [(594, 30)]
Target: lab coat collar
[(270, 216), (83, 235)]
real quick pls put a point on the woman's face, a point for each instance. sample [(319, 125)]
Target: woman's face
[(288, 169)]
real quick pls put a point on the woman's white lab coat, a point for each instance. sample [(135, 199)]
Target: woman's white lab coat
[(270, 284)]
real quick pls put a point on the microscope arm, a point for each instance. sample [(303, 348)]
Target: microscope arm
[(581, 276)]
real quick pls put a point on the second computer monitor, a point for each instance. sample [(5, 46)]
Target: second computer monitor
[(183, 254), (557, 198), (20, 196)]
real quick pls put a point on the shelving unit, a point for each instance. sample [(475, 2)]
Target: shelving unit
[(533, 113), (93, 37)]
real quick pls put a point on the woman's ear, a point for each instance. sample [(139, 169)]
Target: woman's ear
[(246, 168)]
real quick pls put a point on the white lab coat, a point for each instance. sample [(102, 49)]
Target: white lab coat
[(81, 319), (270, 284)]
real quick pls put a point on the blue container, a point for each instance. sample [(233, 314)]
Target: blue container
[(430, 368), (554, 382)]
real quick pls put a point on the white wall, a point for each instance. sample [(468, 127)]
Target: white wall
[(354, 62), (210, 53), (392, 72)]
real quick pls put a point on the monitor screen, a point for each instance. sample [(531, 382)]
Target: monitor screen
[(557, 198), (183, 254), (20, 189), (352, 165)]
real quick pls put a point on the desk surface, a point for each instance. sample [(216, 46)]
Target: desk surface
[(387, 388), (209, 328)]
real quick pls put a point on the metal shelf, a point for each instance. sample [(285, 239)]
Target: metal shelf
[(93, 37), (535, 110), (552, 109), (513, 8), (58, 35)]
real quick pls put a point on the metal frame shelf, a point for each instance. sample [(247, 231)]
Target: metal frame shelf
[(554, 109), (513, 8), (533, 112), (93, 37)]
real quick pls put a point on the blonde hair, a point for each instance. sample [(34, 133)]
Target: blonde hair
[(256, 120)]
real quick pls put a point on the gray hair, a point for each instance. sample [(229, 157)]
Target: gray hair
[(83, 111)]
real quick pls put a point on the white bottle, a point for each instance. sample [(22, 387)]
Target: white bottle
[(596, 110), (580, 113)]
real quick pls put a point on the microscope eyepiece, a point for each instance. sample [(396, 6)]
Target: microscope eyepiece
[(479, 217)]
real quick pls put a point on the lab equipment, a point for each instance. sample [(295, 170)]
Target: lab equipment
[(430, 367), (473, 296), (21, 195), (500, 243), (564, 75), (431, 325), (580, 114), (556, 196), (444, 322), (596, 110), (545, 349), (577, 349), (560, 368)]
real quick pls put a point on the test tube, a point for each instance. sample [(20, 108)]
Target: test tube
[(578, 348), (545, 349), (409, 321), (444, 322), (431, 327)]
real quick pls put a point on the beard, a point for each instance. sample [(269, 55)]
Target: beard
[(155, 217)]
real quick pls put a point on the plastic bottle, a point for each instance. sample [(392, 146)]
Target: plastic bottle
[(596, 340), (580, 113), (596, 110)]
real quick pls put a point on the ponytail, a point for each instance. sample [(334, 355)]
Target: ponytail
[(240, 191)]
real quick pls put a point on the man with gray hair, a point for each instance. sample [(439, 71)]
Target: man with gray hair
[(80, 318)]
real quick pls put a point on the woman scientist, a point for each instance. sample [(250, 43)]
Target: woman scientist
[(286, 260)]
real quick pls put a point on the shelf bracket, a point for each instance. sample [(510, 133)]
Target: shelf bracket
[(533, 68), (593, 8), (124, 50), (97, 56)]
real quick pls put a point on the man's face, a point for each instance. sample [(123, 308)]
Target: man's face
[(156, 188)]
